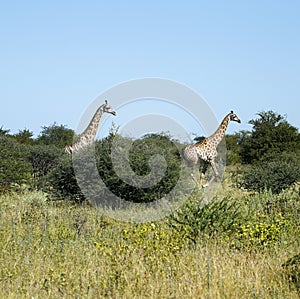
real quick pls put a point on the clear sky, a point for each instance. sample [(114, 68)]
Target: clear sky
[(56, 57)]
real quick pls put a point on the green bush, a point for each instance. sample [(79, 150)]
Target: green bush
[(194, 219), (139, 156), (15, 170), (260, 231), (274, 174), (58, 135), (271, 135), (61, 182), (43, 158), (67, 175)]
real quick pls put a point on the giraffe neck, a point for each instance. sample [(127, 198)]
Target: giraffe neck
[(91, 130), (218, 135)]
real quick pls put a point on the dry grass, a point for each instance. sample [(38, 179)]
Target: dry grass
[(59, 250)]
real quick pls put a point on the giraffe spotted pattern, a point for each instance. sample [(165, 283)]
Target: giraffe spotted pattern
[(206, 150), (87, 137)]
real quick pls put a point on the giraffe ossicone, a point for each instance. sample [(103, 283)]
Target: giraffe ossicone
[(206, 150), (88, 135)]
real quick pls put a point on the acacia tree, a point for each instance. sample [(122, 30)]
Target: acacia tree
[(271, 135), (233, 146), (272, 149), (14, 167), (24, 136), (58, 135)]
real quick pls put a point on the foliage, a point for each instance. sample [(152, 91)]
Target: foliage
[(58, 249), (24, 137), (276, 174), (271, 134), (4, 132), (58, 135), (26, 161), (61, 182), (233, 143), (245, 223), (154, 153), (139, 156), (260, 231), (14, 169), (154, 239), (195, 219), (43, 158)]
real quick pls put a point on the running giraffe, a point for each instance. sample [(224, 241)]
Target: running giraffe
[(206, 150), (87, 137)]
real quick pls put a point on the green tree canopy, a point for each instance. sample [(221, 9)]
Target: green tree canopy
[(271, 134), (3, 132), (24, 136), (14, 167), (58, 135)]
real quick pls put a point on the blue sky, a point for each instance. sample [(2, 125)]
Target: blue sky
[(56, 57)]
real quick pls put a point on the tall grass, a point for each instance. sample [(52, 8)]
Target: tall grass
[(61, 250)]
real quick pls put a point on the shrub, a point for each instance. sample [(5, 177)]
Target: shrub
[(260, 231), (272, 174), (43, 158), (139, 156), (194, 219), (14, 168), (61, 181), (271, 134), (153, 238), (58, 135)]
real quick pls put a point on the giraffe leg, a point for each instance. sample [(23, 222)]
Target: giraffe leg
[(202, 175), (193, 177), (216, 173)]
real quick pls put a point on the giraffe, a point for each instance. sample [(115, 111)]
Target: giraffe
[(206, 150), (88, 135)]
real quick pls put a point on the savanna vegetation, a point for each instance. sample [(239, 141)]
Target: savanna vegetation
[(244, 243)]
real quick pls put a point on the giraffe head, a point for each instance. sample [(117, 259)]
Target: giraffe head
[(233, 117), (108, 108)]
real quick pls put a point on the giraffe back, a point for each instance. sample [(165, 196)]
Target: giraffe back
[(206, 149)]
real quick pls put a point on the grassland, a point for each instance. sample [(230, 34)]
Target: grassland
[(56, 249)]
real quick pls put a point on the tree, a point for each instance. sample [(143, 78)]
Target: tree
[(14, 167), (275, 174), (3, 132), (24, 136), (233, 146), (43, 158), (271, 134), (139, 158), (272, 149), (59, 136), (63, 182)]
